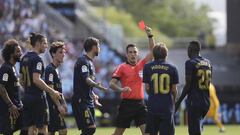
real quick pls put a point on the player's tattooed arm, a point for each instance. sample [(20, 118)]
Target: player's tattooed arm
[(37, 80), (113, 84), (11, 107), (4, 95), (94, 84)]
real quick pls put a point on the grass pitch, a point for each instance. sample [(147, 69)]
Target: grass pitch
[(180, 130)]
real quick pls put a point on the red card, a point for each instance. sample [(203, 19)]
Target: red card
[(141, 25)]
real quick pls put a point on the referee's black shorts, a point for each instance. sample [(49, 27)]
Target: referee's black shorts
[(130, 110)]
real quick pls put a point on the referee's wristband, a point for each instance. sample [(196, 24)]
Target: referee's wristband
[(150, 36)]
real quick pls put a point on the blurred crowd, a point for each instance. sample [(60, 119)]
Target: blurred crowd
[(20, 17)]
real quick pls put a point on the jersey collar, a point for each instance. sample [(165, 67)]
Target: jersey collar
[(87, 57), (131, 64), (53, 65)]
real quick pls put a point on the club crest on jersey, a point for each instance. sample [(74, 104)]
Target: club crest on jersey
[(87, 121), (5, 77), (50, 77), (39, 66), (84, 68)]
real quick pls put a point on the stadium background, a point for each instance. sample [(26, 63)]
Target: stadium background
[(73, 20)]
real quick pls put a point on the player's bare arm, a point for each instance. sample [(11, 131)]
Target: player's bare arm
[(42, 85), (184, 92), (21, 81), (96, 85), (113, 85), (175, 91), (151, 43), (147, 88), (13, 110)]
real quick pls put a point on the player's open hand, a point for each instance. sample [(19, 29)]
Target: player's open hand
[(56, 95), (13, 110), (126, 89), (96, 101), (62, 110)]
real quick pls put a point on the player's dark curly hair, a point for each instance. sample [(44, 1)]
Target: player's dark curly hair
[(9, 48), (55, 45), (195, 46), (89, 43), (35, 37), (160, 51)]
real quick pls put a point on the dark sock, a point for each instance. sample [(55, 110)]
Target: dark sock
[(51, 133), (24, 132)]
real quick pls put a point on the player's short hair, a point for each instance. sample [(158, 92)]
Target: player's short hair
[(195, 46), (35, 37), (130, 45), (160, 51), (89, 43), (55, 46), (9, 48)]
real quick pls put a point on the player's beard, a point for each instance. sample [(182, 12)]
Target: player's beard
[(42, 50), (17, 58), (96, 53), (133, 60)]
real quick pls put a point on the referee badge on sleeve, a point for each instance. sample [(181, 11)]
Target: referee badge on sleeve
[(84, 68), (5, 77)]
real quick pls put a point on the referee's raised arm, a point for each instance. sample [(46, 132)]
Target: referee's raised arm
[(151, 43)]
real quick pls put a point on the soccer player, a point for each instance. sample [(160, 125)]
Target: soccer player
[(35, 111), (198, 72), (84, 81), (132, 106), (214, 108), (10, 103), (161, 79), (56, 122)]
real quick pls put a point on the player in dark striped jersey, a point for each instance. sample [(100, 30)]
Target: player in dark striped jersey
[(35, 111), (52, 78), (161, 79), (198, 71), (10, 103), (84, 81)]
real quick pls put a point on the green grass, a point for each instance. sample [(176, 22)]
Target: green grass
[(180, 130)]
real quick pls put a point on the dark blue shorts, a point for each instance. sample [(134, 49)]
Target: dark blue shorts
[(56, 121), (9, 125), (195, 119), (35, 111), (130, 110), (84, 115), (160, 124)]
